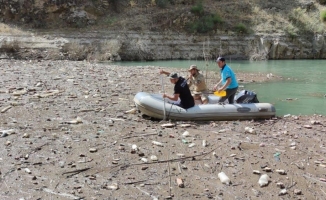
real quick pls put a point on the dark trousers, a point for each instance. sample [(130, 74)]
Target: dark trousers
[(230, 93)]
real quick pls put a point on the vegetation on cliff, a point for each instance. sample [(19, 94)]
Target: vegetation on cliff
[(292, 17)]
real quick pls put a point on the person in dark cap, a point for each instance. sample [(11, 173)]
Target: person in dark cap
[(181, 90), (228, 80), (197, 80)]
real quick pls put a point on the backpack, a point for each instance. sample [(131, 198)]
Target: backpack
[(245, 96)]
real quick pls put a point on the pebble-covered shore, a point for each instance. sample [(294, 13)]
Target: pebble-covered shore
[(65, 135)]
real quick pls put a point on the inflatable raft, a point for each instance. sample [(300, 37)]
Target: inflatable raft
[(153, 105)]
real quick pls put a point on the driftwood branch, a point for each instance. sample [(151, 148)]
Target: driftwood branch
[(166, 161), (153, 197), (66, 195), (134, 182), (169, 177), (38, 148), (139, 135), (72, 173)]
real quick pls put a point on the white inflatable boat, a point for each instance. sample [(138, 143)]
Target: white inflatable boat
[(153, 105)]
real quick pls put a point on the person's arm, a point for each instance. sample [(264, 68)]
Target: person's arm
[(227, 83), (189, 80), (175, 97), (164, 72), (216, 86)]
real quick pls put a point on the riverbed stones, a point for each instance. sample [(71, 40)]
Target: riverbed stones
[(57, 150), (26, 135), (297, 192), (168, 125), (92, 150)]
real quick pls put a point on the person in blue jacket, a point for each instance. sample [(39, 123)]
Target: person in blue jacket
[(228, 80)]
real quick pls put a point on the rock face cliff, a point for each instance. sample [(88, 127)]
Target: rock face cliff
[(162, 29)]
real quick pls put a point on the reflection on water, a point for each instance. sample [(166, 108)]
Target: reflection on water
[(301, 92)]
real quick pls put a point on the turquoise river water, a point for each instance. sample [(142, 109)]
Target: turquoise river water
[(303, 81)]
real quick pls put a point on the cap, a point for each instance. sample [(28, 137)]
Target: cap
[(193, 67), (173, 76), (220, 59)]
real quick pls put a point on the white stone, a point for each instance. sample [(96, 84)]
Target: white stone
[(263, 180), (224, 178)]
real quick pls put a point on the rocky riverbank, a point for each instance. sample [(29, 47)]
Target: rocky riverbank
[(65, 135), (130, 45)]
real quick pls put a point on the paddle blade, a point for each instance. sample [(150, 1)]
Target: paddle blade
[(220, 94)]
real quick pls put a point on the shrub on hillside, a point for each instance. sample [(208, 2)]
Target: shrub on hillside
[(322, 2), (216, 19), (76, 51), (204, 24), (291, 31), (162, 3), (114, 4), (198, 9), (10, 46), (323, 16), (241, 28)]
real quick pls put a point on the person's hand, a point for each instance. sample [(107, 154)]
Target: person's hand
[(220, 89), (161, 71), (215, 88), (164, 95), (190, 76)]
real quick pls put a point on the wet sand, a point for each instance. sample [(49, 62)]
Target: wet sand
[(65, 135)]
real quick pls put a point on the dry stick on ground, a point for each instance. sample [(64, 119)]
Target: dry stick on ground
[(72, 173), (129, 183), (147, 193), (322, 190), (6, 185), (169, 176), (313, 179), (179, 167), (164, 161), (139, 135), (38, 148), (66, 195)]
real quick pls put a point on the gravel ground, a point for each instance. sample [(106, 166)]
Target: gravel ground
[(65, 135)]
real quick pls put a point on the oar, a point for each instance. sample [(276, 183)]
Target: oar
[(163, 98)]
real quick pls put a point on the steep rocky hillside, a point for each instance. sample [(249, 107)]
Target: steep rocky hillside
[(296, 21), (247, 16)]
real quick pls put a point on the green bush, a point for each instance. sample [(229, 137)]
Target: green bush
[(216, 19), (162, 3), (206, 21), (322, 2), (241, 28), (204, 24), (323, 16), (198, 9), (10, 46), (291, 31), (114, 4)]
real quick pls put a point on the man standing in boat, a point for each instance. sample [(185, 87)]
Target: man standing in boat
[(197, 80), (181, 90), (228, 80)]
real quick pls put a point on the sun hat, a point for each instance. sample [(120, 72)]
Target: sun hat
[(193, 67), (220, 59), (173, 75)]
